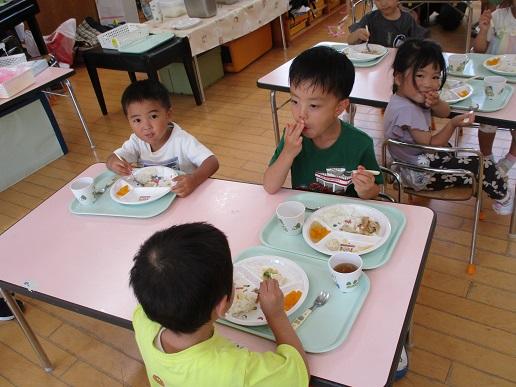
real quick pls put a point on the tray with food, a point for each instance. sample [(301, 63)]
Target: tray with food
[(474, 67), (339, 223), (455, 90), (479, 101), (326, 328)]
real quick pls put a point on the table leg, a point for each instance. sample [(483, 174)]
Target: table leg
[(36, 33), (75, 103), (274, 110), (197, 73), (469, 25), (352, 112), (512, 229), (282, 29), (29, 334), (153, 75), (94, 78), (132, 76)]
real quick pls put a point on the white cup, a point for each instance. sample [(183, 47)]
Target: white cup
[(457, 62), (494, 86), (82, 189), (345, 269), (291, 216)]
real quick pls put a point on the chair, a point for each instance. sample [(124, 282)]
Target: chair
[(455, 193)]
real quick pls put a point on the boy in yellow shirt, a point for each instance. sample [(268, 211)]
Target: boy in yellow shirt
[(183, 280)]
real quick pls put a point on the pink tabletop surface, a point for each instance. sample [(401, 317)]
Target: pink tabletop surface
[(45, 77), (373, 85), (85, 260)]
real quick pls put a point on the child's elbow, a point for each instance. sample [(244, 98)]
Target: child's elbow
[(270, 188)]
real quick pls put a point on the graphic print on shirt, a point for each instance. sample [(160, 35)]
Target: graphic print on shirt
[(171, 163)]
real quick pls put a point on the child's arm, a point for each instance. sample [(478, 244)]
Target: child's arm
[(186, 184), (276, 173), (441, 137), (120, 167), (271, 302), (364, 184), (438, 106), (358, 36), (480, 44)]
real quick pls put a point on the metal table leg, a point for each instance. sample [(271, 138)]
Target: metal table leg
[(283, 41), (69, 88), (11, 303), (512, 229)]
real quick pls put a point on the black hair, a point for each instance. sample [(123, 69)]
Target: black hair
[(416, 54), (180, 274), (144, 90), (326, 68)]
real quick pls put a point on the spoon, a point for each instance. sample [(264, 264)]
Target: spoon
[(367, 41), (132, 174), (319, 301), (100, 191)]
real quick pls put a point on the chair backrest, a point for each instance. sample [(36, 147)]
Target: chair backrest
[(404, 168)]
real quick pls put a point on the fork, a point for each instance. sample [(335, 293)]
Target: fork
[(367, 41), (319, 301)]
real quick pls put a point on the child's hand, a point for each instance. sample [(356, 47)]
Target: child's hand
[(484, 22), (293, 139), (271, 299), (431, 98), (120, 167), (461, 120), (363, 181), (362, 34), (185, 185)]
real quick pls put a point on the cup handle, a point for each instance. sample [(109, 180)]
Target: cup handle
[(299, 320)]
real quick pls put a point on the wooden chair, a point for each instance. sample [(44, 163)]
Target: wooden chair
[(454, 194)]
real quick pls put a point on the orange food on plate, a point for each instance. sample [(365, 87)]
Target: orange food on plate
[(123, 191), (463, 93), (493, 62), (317, 232), (291, 299)]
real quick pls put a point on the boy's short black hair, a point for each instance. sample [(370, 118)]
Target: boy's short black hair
[(416, 54), (145, 90), (323, 67), (180, 274)]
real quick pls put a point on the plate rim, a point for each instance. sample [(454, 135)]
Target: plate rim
[(374, 57), (499, 72), (313, 215), (299, 303), (471, 90)]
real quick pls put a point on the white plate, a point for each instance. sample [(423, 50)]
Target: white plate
[(358, 52), (248, 272), (455, 91), (185, 24), (506, 65), (156, 180), (335, 216)]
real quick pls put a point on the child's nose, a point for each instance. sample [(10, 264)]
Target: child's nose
[(302, 113)]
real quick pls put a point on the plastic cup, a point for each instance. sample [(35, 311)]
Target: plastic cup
[(82, 189), (494, 86), (457, 62), (345, 270), (291, 216)]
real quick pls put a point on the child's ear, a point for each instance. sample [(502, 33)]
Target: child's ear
[(222, 307), (341, 106), (397, 79)]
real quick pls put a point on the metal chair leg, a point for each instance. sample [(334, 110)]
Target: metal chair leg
[(11, 303), (69, 88)]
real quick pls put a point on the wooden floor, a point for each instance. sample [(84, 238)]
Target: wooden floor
[(464, 327)]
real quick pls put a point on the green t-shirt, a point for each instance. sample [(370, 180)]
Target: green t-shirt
[(353, 147), (216, 362)]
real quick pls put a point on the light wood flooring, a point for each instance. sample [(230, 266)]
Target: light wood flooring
[(464, 326)]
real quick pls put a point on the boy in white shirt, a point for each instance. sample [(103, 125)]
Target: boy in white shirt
[(158, 141)]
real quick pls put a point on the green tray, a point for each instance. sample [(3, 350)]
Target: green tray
[(339, 47), (273, 236), (475, 67), (479, 97), (147, 43), (328, 326), (105, 206)]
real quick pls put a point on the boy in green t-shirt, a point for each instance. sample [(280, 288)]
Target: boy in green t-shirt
[(321, 80), (183, 280)]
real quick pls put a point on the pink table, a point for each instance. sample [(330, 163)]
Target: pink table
[(82, 263), (373, 87)]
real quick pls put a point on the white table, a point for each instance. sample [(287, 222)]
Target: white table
[(82, 263)]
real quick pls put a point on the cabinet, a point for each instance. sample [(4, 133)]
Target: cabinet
[(296, 26)]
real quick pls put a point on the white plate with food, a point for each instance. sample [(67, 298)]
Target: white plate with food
[(346, 227), (359, 52), (247, 275), (455, 91), (149, 184), (502, 64)]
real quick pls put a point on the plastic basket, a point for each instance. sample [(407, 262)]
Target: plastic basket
[(12, 60), (123, 35)]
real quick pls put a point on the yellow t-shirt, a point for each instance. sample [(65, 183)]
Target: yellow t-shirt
[(216, 362)]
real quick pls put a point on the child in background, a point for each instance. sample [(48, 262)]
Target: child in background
[(321, 80), (388, 25), (497, 35), (158, 141), (183, 280), (419, 72)]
